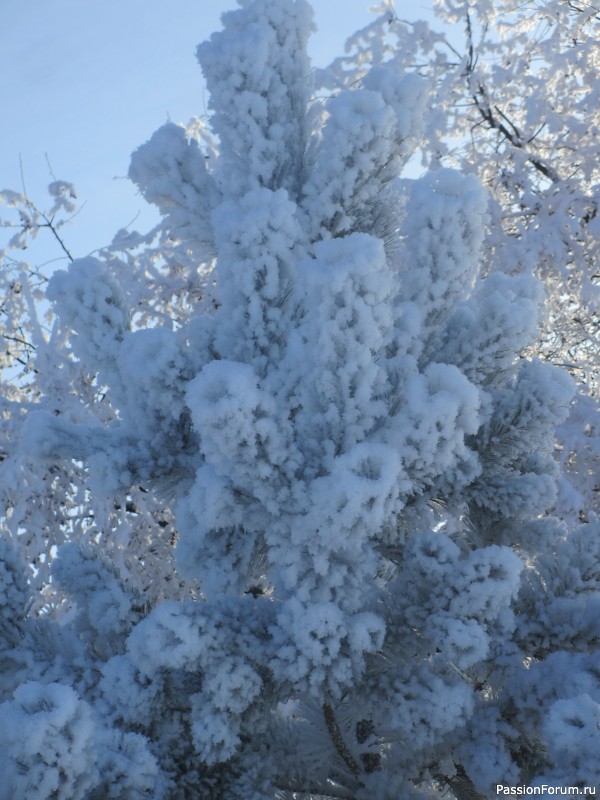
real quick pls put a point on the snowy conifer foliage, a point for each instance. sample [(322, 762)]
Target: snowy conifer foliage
[(514, 100), (351, 458)]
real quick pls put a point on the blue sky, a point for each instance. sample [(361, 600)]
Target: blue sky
[(87, 81)]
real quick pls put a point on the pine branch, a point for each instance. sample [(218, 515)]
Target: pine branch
[(461, 785), (338, 740), (314, 792)]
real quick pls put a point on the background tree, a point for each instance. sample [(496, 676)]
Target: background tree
[(306, 382)]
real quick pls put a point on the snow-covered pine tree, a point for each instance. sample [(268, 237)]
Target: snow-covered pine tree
[(514, 100), (365, 600)]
